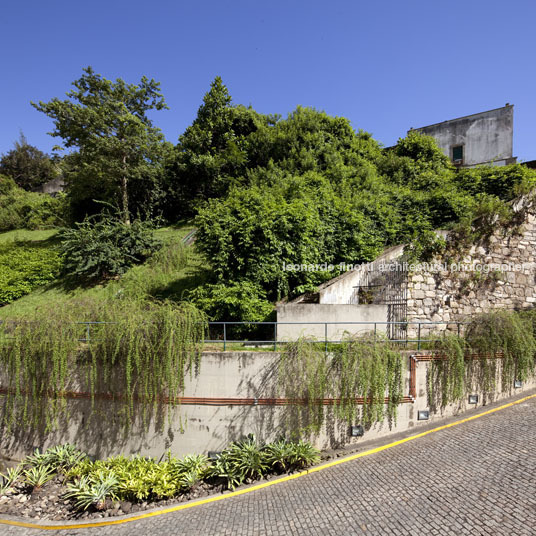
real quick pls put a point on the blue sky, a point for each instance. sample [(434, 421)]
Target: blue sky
[(387, 66)]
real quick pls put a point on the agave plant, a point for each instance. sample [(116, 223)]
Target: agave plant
[(37, 459), (89, 491), (9, 478), (223, 467), (197, 464), (64, 456), (303, 454), (36, 477), (188, 480), (249, 458), (279, 454)]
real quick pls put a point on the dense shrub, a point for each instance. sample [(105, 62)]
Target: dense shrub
[(241, 299), (25, 266), (97, 249), (27, 165), (20, 209)]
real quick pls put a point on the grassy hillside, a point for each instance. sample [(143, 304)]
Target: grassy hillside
[(173, 270)]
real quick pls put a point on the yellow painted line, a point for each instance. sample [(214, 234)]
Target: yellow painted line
[(287, 478)]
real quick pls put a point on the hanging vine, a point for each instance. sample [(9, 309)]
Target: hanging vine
[(358, 374), (139, 354), (473, 361), (446, 376)]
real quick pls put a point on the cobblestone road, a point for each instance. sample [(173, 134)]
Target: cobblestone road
[(475, 478)]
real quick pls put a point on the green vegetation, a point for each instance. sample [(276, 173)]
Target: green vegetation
[(118, 152), (89, 484), (308, 189), (20, 209), (104, 247), (27, 165), (265, 192), (365, 375), (167, 275), (140, 353), (359, 374), (467, 360), (25, 266)]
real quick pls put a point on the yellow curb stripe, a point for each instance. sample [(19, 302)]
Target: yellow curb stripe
[(287, 478)]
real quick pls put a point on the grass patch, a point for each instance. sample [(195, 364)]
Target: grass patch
[(172, 271), (25, 235)]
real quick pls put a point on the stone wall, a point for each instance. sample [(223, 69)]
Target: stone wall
[(506, 279)]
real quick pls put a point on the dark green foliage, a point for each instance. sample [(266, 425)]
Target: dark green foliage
[(318, 192), (212, 153), (27, 165), (248, 460), (28, 210), (24, 266), (503, 182), (119, 154), (100, 248), (252, 234), (241, 299)]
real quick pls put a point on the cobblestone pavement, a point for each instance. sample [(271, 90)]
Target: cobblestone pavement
[(475, 478)]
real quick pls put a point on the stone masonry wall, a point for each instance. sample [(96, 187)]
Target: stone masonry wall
[(448, 294)]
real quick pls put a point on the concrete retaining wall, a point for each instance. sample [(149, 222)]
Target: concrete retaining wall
[(230, 392), (320, 312)]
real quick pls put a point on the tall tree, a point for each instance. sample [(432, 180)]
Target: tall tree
[(213, 152), (27, 165), (117, 149)]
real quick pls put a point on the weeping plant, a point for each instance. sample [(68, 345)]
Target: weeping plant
[(506, 332), (446, 375), (303, 376), (139, 354), (371, 369), (471, 360), (360, 374)]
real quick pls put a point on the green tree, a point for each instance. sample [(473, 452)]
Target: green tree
[(117, 150), (27, 165), (213, 153)]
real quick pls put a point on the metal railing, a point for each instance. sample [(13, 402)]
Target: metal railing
[(226, 335), (375, 330)]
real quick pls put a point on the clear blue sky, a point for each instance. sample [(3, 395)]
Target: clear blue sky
[(387, 66)]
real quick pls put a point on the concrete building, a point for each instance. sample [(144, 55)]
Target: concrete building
[(485, 138)]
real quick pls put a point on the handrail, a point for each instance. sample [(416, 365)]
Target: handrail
[(325, 339)]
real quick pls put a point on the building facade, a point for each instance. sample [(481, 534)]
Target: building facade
[(485, 138)]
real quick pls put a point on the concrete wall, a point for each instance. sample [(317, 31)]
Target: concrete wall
[(487, 137), (203, 427), (53, 186), (318, 312), (342, 289)]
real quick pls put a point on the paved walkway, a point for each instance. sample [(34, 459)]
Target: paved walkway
[(478, 477)]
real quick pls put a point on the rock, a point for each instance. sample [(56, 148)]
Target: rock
[(23, 499), (126, 506)]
